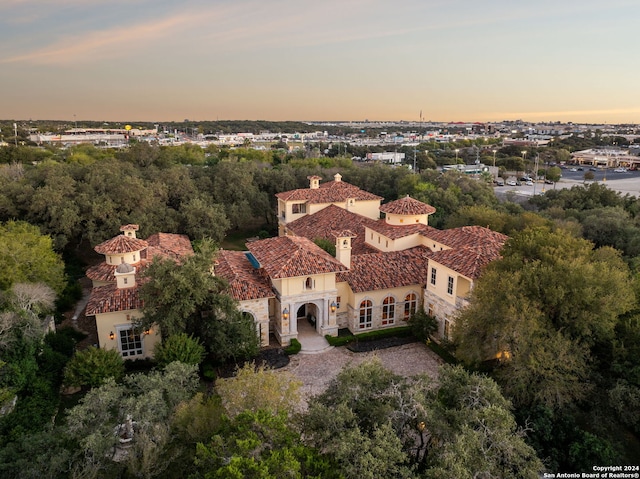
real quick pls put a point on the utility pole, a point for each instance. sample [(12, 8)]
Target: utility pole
[(15, 133)]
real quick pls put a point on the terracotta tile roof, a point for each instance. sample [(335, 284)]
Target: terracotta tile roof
[(245, 282), (326, 222), (168, 245), (469, 261), (467, 236), (121, 244), (377, 271), (291, 256), (400, 231), (109, 299), (101, 272), (407, 206), (329, 192), (343, 234)]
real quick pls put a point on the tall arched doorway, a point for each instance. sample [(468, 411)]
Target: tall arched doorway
[(308, 317)]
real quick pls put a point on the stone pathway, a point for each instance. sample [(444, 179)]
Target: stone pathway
[(317, 370)]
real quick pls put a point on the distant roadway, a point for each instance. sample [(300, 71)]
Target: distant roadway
[(624, 183)]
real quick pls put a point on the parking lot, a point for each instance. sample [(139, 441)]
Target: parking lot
[(624, 183)]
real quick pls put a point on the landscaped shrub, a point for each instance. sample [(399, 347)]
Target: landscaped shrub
[(401, 331), (92, 366), (64, 340), (294, 347), (442, 352), (339, 340), (422, 325), (179, 347)]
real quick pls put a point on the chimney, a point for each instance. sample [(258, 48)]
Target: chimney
[(130, 230), (343, 247), (314, 182), (337, 177)]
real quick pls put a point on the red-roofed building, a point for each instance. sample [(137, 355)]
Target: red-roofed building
[(383, 269), (295, 204), (114, 299)]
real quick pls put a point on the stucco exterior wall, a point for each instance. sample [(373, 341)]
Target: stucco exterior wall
[(403, 220), (116, 259), (298, 284), (442, 277), (432, 244), (108, 323)]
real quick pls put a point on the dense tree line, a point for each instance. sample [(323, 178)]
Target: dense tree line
[(564, 315)]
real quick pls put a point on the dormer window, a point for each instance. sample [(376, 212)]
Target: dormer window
[(298, 208)]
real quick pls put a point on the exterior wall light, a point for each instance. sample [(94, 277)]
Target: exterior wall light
[(285, 313), (112, 336), (148, 331), (333, 306)]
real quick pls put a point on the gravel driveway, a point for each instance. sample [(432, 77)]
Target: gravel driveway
[(317, 370)]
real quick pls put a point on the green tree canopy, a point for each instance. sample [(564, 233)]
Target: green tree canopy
[(545, 305), (26, 256), (93, 366), (188, 298)]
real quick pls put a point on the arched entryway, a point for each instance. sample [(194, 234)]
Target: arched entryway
[(310, 313), (310, 323)]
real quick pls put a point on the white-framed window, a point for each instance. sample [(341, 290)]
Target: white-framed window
[(433, 276), (450, 285), (389, 310), (447, 329), (366, 315), (431, 309), (410, 305), (129, 342), (338, 302), (298, 208)]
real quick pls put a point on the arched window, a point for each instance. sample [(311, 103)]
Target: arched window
[(389, 310), (410, 305), (366, 314), (308, 284)]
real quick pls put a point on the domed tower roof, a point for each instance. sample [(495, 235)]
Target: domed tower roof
[(121, 244), (407, 206), (124, 268)]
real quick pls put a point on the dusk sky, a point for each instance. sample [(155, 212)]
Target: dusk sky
[(454, 60)]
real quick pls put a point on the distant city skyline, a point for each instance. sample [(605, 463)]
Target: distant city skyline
[(452, 60)]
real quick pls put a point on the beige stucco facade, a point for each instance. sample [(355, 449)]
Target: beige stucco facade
[(447, 296), (111, 328)]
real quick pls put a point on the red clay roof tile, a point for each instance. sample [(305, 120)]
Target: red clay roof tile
[(121, 244), (326, 222), (109, 299), (376, 271), (407, 206), (329, 192), (292, 256), (245, 282)]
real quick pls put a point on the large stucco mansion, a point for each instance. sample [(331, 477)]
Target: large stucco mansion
[(388, 262)]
